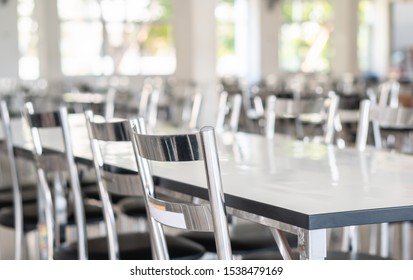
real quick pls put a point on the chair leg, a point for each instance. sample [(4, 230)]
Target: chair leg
[(406, 240), (374, 232), (345, 241), (384, 240), (354, 238)]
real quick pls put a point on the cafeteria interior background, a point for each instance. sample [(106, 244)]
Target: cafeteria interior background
[(56, 46)]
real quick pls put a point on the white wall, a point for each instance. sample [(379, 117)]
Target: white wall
[(9, 53), (402, 17), (195, 43)]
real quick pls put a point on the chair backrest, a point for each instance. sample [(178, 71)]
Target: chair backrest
[(106, 137), (399, 119), (110, 103), (182, 105), (199, 146), (148, 104), (389, 94), (17, 195), (54, 162), (187, 109), (313, 110), (229, 109)]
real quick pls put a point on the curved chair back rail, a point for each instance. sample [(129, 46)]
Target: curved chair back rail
[(186, 216), (117, 130), (185, 147)]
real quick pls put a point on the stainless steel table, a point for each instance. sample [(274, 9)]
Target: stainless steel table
[(302, 188)]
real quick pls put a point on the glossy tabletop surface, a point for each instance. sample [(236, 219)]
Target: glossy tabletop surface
[(308, 185)]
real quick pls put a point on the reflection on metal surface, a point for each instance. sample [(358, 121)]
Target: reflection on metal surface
[(170, 147), (335, 175), (111, 131), (121, 182), (182, 215)]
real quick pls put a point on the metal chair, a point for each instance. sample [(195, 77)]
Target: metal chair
[(290, 108), (114, 136), (315, 111), (396, 119), (229, 111), (16, 201), (183, 112), (55, 209), (210, 216), (185, 109)]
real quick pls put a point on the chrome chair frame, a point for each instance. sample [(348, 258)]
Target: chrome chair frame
[(191, 111), (200, 146), (53, 162), (17, 193), (108, 181), (228, 105), (276, 107), (389, 94), (148, 104), (383, 117)]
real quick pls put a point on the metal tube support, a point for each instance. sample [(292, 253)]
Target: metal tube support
[(332, 113), (108, 212), (270, 117), (60, 207), (354, 238), (17, 195), (74, 181), (363, 125), (406, 240), (282, 244), (374, 231), (312, 244), (158, 242), (216, 195), (235, 112), (385, 240), (48, 212)]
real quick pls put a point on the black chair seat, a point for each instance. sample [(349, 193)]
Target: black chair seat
[(94, 214), (132, 207), (245, 237), (30, 217), (331, 255), (29, 194), (91, 191), (132, 246)]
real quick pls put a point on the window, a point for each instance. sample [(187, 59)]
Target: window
[(305, 35), (365, 33), (28, 41), (225, 17), (125, 37)]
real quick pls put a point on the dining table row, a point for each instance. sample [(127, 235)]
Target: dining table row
[(236, 194)]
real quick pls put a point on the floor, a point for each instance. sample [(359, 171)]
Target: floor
[(336, 243)]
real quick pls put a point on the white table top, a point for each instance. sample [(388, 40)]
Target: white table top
[(307, 185)]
